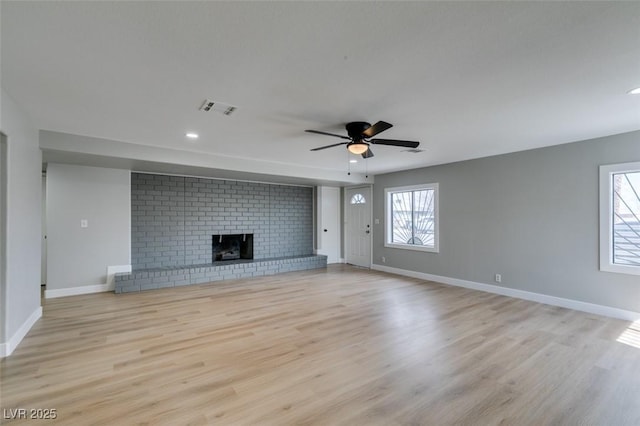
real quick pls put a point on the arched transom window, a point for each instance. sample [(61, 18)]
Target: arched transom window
[(358, 199)]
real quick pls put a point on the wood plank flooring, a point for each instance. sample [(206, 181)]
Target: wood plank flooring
[(341, 346)]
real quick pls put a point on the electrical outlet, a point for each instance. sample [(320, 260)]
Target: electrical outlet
[(384, 259), (84, 223), (498, 278)]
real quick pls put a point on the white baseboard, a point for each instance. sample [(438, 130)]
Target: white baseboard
[(8, 347), (591, 308), (74, 291), (88, 289)]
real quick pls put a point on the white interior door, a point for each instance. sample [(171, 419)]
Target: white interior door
[(329, 223), (358, 226)]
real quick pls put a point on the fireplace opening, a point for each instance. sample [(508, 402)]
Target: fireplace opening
[(232, 247)]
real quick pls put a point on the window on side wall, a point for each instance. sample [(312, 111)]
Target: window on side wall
[(412, 217), (620, 218)]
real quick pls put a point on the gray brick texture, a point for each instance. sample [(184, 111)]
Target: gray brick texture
[(174, 217)]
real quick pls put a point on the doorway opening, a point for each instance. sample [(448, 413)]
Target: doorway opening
[(43, 238)]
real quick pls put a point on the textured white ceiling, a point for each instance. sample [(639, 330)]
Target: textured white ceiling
[(467, 79)]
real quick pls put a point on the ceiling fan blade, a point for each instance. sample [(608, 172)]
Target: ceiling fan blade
[(327, 134), (379, 127), (329, 146), (367, 154), (393, 142)]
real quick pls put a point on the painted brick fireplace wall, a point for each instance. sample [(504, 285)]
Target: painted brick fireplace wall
[(174, 217)]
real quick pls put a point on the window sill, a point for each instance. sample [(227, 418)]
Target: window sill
[(620, 269), (413, 247)]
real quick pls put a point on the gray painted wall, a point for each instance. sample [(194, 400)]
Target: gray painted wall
[(3, 233), (531, 216), (173, 218), (22, 276), (78, 256)]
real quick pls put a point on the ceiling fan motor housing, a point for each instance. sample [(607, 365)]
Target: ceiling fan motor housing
[(356, 128)]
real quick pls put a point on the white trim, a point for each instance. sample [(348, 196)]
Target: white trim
[(74, 291), (606, 216), (591, 308), (388, 226), (413, 247), (89, 289), (8, 347)]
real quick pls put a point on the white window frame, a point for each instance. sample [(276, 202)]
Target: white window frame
[(606, 215), (388, 232)]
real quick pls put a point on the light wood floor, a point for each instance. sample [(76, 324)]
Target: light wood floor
[(337, 346)]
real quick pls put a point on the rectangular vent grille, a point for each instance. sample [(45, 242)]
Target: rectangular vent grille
[(225, 109)]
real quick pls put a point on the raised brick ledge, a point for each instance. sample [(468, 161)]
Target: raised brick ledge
[(174, 276)]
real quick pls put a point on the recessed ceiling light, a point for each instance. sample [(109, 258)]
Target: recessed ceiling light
[(353, 161), (635, 91), (192, 135)]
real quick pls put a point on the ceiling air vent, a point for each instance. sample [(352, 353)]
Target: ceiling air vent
[(225, 109), (413, 150)]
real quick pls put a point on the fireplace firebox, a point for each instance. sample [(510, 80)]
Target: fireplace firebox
[(232, 247)]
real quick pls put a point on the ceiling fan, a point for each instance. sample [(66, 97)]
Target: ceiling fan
[(360, 133)]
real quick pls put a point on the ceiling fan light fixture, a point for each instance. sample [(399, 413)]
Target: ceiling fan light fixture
[(358, 147), (360, 134)]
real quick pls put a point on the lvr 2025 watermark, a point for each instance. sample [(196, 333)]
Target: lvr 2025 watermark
[(29, 413)]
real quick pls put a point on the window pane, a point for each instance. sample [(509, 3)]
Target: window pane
[(413, 217), (401, 216), (626, 218), (423, 218)]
